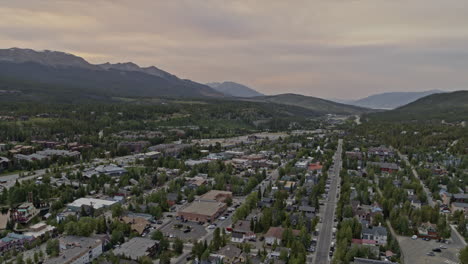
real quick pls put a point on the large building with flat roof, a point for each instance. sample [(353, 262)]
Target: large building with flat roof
[(97, 204), (203, 211), (137, 247), (77, 250)]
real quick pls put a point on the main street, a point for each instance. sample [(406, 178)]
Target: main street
[(325, 232)]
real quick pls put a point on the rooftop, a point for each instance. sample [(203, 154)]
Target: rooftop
[(203, 207), (96, 203), (135, 248)]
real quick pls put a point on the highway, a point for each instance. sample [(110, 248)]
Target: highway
[(325, 232)]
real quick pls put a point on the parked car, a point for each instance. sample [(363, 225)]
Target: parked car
[(430, 254), (414, 237), (436, 250)]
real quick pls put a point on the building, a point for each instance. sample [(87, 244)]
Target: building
[(376, 233), (4, 163), (428, 230), (230, 254), (382, 152), (77, 250), (302, 164), (315, 167), (110, 170), (276, 234), (96, 204), (203, 211), (58, 153), (241, 232), (24, 213), (39, 230), (384, 166), (216, 195), (134, 146), (137, 247), (14, 241), (460, 207), (460, 197)]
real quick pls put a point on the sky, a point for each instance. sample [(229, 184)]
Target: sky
[(344, 49)]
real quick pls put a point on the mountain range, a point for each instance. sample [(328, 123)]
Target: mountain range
[(389, 100), (42, 72), (450, 107), (53, 76), (234, 89)]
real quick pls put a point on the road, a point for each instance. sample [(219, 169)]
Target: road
[(11, 178), (430, 201), (325, 232)]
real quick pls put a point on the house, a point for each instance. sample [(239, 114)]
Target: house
[(4, 163), (137, 247), (301, 164), (309, 211), (241, 232), (460, 207), (376, 233), (276, 234), (230, 254), (428, 230), (315, 167), (172, 198), (460, 197), (77, 250)]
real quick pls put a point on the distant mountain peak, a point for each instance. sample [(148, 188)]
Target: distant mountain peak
[(389, 100), (45, 57), (230, 88)]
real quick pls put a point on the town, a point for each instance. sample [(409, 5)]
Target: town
[(325, 195)]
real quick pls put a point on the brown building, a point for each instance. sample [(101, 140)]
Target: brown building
[(203, 211)]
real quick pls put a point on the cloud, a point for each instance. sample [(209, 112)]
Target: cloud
[(332, 48)]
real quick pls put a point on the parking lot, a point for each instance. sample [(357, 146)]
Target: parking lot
[(175, 228), (415, 251)]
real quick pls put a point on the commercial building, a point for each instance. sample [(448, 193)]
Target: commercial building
[(96, 204), (203, 211), (137, 247), (77, 250)]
